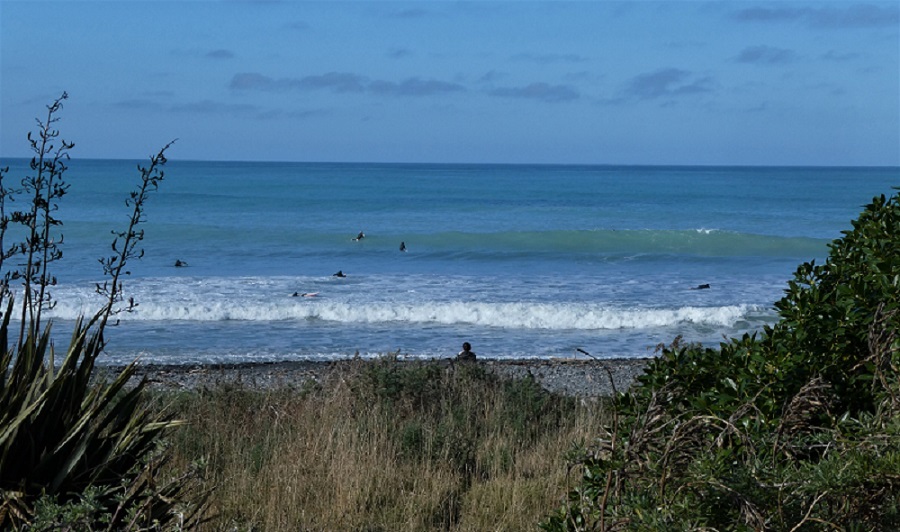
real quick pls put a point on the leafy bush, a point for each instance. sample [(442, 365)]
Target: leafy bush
[(74, 453), (792, 428)]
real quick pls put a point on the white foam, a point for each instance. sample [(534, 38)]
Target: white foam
[(441, 301), (515, 315)]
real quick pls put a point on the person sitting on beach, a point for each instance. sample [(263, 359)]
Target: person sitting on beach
[(466, 355), (340, 273)]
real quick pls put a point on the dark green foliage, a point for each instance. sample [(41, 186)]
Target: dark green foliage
[(792, 428), (829, 310)]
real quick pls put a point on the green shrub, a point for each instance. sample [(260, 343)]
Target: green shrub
[(791, 428)]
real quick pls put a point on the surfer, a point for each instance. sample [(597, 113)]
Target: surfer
[(466, 355), (180, 263), (402, 246), (340, 273), (701, 287), (359, 237), (305, 294)]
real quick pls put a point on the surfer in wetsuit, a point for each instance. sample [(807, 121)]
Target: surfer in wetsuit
[(340, 273), (360, 236), (402, 246)]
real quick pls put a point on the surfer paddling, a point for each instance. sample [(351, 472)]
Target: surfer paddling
[(359, 237)]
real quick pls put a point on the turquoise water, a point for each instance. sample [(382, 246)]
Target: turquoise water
[(521, 261)]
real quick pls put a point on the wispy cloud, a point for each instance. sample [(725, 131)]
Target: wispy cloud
[(546, 59), (334, 81), (491, 76), (309, 113), (220, 54), (138, 104), (832, 55), (770, 14), (765, 55), (211, 107), (251, 81), (343, 82), (298, 25), (538, 91), (831, 17), (208, 107), (666, 82), (414, 87), (399, 53)]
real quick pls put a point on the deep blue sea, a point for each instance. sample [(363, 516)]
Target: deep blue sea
[(521, 261)]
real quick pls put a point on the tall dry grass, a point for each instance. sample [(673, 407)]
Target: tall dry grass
[(385, 445)]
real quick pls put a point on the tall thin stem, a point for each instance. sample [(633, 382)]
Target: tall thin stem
[(125, 243), (39, 248)]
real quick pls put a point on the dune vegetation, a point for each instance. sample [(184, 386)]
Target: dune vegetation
[(383, 445)]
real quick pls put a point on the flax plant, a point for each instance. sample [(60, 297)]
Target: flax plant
[(74, 453)]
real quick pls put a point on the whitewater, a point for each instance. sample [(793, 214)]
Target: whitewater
[(522, 261)]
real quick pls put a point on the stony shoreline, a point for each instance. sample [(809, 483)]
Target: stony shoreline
[(572, 377)]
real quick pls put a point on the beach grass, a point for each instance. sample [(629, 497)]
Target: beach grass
[(383, 445)]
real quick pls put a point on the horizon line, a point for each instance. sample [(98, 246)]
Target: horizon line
[(472, 163)]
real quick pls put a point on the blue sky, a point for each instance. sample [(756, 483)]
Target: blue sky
[(728, 82)]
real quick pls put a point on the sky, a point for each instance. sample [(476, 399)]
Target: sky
[(548, 82)]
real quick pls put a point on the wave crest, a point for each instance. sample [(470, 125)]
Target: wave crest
[(515, 315)]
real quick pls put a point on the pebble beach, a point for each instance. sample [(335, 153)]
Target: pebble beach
[(570, 377)]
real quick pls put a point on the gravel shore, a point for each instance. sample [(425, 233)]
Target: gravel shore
[(572, 377)]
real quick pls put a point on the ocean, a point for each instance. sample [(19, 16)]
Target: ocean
[(522, 261)]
